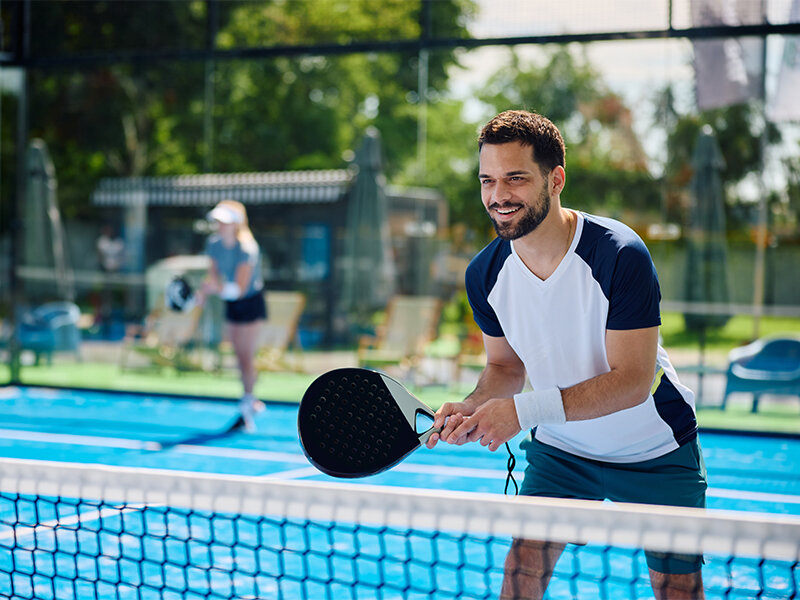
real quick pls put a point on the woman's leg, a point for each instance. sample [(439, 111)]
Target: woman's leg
[(244, 339)]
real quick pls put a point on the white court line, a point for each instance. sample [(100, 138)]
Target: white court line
[(91, 516), (290, 457), (292, 474), (77, 440), (756, 496), (243, 453), (9, 392)]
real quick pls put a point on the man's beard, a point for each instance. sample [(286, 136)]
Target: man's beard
[(527, 222)]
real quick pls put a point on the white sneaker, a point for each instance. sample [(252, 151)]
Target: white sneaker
[(248, 409)]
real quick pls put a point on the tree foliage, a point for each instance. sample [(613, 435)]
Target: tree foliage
[(142, 117), (307, 111), (792, 199), (743, 137), (738, 129)]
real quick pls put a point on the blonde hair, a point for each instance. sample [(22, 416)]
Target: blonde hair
[(243, 233)]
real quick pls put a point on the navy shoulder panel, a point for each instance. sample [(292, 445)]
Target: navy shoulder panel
[(624, 270), (481, 277)]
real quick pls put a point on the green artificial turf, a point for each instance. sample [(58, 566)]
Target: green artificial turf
[(736, 332), (778, 419), (284, 387), (781, 417)]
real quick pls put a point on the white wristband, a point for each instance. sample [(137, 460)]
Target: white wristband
[(230, 291), (534, 408)]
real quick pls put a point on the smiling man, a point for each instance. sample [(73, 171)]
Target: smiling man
[(571, 301)]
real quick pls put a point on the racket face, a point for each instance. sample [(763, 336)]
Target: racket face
[(351, 425), (179, 294)]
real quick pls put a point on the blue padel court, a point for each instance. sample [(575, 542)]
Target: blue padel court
[(131, 551)]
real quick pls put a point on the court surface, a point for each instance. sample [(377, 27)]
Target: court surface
[(751, 473), (746, 473)]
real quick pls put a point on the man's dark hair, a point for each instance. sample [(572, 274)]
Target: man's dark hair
[(530, 129)]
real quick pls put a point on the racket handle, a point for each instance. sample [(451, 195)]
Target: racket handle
[(423, 437)]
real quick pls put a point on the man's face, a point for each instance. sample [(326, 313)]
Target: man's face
[(513, 189)]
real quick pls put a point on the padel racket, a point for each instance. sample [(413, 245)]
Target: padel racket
[(357, 422)]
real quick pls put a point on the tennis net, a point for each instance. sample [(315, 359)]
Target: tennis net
[(80, 531)]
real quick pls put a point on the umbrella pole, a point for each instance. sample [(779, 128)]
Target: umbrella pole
[(701, 367)]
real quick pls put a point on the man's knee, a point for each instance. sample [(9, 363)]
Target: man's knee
[(677, 586), (532, 558)]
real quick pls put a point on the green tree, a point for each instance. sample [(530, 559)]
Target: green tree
[(119, 118), (305, 112), (789, 206), (451, 162), (148, 118), (738, 129)]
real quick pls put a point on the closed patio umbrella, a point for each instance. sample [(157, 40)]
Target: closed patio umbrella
[(706, 279), (368, 279)]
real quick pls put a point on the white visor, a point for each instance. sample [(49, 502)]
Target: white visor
[(225, 214)]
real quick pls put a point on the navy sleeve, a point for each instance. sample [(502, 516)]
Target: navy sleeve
[(479, 279), (635, 294)]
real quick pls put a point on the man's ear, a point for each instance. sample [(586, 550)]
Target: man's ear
[(558, 178)]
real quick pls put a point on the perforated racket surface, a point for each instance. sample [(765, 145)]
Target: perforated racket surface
[(357, 422)]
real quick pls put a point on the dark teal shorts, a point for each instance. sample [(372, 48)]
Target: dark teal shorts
[(675, 479)]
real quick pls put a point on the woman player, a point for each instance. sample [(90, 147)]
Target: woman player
[(235, 276)]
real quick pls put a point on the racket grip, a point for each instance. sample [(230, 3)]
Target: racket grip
[(423, 437)]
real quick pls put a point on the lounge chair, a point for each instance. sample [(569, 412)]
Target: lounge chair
[(167, 339), (50, 328), (411, 324), (279, 332), (471, 353), (766, 366)]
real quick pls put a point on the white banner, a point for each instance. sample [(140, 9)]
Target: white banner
[(728, 70), (785, 105)]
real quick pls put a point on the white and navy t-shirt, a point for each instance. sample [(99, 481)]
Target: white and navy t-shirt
[(557, 327)]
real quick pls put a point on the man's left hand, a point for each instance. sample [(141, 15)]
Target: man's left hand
[(492, 424)]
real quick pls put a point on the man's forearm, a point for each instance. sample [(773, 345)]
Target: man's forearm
[(604, 394), (496, 382)]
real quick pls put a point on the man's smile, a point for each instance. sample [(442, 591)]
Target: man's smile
[(506, 210)]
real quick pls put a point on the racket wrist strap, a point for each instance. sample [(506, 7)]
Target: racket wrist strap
[(538, 407)]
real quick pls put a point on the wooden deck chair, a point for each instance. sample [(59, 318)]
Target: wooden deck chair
[(279, 331), (166, 339), (411, 324)]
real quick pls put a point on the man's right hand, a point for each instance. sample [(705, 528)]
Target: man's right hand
[(448, 417)]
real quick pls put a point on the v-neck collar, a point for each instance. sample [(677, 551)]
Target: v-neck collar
[(563, 263)]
